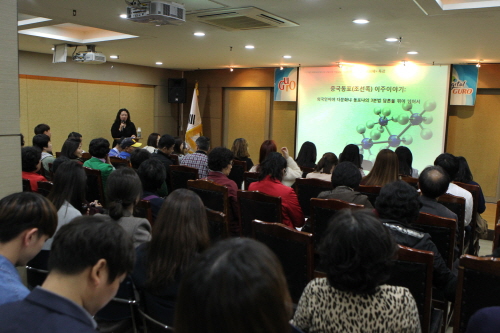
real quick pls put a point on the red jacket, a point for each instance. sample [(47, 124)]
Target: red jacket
[(292, 213), (34, 179)]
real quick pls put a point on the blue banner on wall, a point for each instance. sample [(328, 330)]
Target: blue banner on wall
[(285, 85), (463, 84)]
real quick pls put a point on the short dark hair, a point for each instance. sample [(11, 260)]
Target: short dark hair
[(203, 143), (30, 157), (26, 210), (166, 141), (238, 285), (41, 141), (153, 140), (357, 252), (87, 239), (273, 166), (346, 174), (69, 147), (433, 182), (152, 174), (137, 156), (75, 135), (449, 164), (41, 128), (398, 201), (123, 188), (99, 147), (219, 158)]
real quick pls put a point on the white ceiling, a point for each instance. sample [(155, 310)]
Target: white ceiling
[(325, 36)]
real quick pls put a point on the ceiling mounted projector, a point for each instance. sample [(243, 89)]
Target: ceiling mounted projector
[(156, 12), (89, 57)]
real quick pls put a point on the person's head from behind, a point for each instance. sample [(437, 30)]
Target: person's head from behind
[(274, 166), (123, 191), (179, 146), (179, 234), (351, 154), (93, 254), (449, 164), (433, 182), (153, 140), (128, 145), (75, 136), (238, 285), (42, 142), (166, 144), (27, 220), (327, 163), (398, 201), (385, 169), (123, 116), (30, 159), (99, 147), (70, 183), (203, 143), (72, 148), (240, 148), (405, 159), (152, 174), (307, 154), (464, 175), (43, 129), (138, 156), (357, 252), (346, 174), (220, 159), (268, 146)]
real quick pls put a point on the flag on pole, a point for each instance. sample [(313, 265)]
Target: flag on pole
[(194, 127)]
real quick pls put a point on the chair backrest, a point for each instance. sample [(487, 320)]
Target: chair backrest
[(44, 188), (496, 238), (180, 174), (86, 156), (322, 211), (143, 209), (51, 170), (249, 178), (254, 205), (410, 180), (457, 206), (308, 188), (443, 234), (95, 190), (121, 306), (119, 162), (237, 171), (474, 240), (306, 170), (26, 185), (294, 249), (214, 196), (37, 269), (478, 287), (152, 324), (217, 225), (174, 158), (371, 191), (413, 270)]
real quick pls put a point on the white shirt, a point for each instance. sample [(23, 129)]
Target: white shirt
[(456, 190)]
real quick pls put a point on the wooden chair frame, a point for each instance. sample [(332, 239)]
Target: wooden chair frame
[(448, 198), (119, 162), (173, 169), (259, 197), (247, 176), (219, 217), (410, 180), (233, 175), (371, 191), (44, 188), (174, 158), (26, 185), (100, 188), (146, 206), (305, 202)]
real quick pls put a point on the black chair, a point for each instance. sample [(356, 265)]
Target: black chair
[(457, 206), (371, 191), (95, 190), (180, 174), (174, 158), (249, 178), (26, 185), (217, 225), (37, 269), (305, 171), (237, 171), (478, 287), (143, 209), (119, 162), (496, 239), (153, 325), (308, 188), (294, 250), (254, 205), (44, 188), (410, 180)]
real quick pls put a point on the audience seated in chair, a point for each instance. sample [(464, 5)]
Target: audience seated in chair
[(240, 151), (384, 171), (405, 159), (27, 220), (324, 168), (31, 163), (199, 159), (43, 129), (128, 145), (152, 175), (307, 155), (42, 142), (116, 150), (89, 259), (99, 149)]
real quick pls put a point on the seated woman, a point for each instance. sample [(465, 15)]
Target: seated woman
[(384, 171), (405, 158), (236, 286), (325, 167), (464, 175), (31, 163), (152, 175), (307, 155), (271, 172), (180, 234), (292, 170), (357, 252), (123, 192), (351, 154), (181, 148), (240, 151), (345, 178), (152, 143), (72, 149)]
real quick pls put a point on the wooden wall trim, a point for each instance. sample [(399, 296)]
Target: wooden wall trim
[(112, 83)]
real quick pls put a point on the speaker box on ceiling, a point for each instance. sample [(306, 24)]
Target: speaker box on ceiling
[(177, 90)]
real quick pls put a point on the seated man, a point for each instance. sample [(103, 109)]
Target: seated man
[(88, 260), (199, 159), (43, 129), (31, 163), (99, 149), (165, 148), (398, 206), (345, 178), (152, 175), (127, 146), (42, 142), (116, 150), (27, 220)]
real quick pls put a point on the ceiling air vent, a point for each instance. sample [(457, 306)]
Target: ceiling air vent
[(246, 18)]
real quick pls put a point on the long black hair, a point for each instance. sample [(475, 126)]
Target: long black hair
[(123, 189), (70, 182), (273, 165), (69, 147), (307, 154), (464, 175), (118, 120), (405, 160)]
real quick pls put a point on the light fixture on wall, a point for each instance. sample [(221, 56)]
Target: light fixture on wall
[(114, 57), (478, 64), (231, 69), (339, 64), (281, 67)]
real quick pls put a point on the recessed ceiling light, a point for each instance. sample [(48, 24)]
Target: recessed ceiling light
[(114, 56), (199, 34), (361, 21), (159, 63), (287, 56), (53, 49), (123, 15), (231, 69), (249, 47), (412, 52), (391, 39)]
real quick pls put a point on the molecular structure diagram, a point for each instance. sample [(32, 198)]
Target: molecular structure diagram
[(393, 140)]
